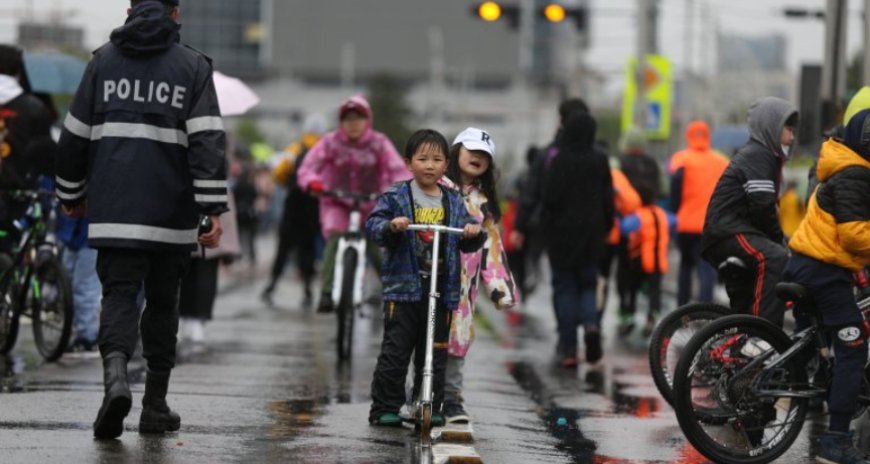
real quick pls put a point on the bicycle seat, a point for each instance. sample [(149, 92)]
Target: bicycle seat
[(791, 292)]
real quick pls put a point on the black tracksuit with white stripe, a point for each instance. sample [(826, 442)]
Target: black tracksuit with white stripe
[(143, 144), (743, 218), (143, 141)]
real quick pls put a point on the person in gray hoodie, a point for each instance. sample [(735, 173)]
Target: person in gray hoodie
[(742, 219)]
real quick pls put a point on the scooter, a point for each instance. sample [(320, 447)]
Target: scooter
[(426, 395)]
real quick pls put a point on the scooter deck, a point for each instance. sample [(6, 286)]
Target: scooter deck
[(453, 433)]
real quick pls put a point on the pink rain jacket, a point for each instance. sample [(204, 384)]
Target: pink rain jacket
[(369, 164)]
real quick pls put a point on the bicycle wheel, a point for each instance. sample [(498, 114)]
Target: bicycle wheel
[(8, 322), (670, 338), (345, 309), (51, 308), (731, 404)]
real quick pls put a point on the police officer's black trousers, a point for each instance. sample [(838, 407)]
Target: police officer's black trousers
[(123, 272), (830, 288), (404, 333)]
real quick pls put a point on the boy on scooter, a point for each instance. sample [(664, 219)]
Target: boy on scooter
[(406, 274)]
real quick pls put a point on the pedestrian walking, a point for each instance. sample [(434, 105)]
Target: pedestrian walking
[(406, 275), (353, 158), (300, 223), (577, 215), (694, 173), (471, 169), (142, 156)]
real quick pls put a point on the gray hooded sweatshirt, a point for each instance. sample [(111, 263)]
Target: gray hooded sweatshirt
[(746, 196)]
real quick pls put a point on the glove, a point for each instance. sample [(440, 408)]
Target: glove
[(316, 187)]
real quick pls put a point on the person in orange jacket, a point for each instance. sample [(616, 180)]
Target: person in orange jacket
[(648, 232), (627, 201), (694, 174)]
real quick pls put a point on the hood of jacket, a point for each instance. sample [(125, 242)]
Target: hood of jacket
[(856, 134), (578, 134), (767, 118), (835, 157), (698, 135), (357, 103), (10, 89), (148, 31)]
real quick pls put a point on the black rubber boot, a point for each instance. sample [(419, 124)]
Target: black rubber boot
[(117, 400), (156, 415)]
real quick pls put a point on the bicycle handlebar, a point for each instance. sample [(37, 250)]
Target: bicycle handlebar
[(435, 228)]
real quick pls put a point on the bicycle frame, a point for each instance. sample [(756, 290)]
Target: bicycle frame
[(355, 240)]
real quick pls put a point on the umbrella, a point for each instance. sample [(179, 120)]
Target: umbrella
[(52, 72), (234, 96)]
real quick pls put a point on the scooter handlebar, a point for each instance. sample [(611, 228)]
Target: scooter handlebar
[(435, 228)]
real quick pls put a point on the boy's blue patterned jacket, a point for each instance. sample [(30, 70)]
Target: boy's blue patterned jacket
[(400, 274)]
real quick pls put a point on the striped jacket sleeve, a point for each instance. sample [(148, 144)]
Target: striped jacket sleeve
[(75, 141), (761, 195), (207, 145)]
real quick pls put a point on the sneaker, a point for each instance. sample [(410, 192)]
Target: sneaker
[(197, 330), (838, 448), (454, 413), (592, 339), (437, 420), (326, 305), (387, 419)]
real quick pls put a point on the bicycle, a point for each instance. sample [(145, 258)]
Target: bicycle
[(347, 289), (674, 331), (35, 283), (741, 392)]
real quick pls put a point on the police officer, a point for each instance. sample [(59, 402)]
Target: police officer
[(142, 154)]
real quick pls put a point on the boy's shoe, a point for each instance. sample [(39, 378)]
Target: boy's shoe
[(454, 413), (593, 346), (438, 420), (326, 305), (266, 296), (838, 448), (387, 419)]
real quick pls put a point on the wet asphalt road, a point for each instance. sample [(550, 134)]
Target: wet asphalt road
[(266, 388)]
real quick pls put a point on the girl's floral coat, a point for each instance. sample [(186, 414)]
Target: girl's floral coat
[(486, 268)]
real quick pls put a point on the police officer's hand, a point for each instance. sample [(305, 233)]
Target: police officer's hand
[(213, 238), (78, 211)]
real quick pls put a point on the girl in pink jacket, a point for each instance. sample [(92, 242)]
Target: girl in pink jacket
[(471, 169), (354, 158)]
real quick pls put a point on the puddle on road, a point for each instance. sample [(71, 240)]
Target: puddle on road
[(560, 422)]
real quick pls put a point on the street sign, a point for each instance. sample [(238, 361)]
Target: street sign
[(658, 90)]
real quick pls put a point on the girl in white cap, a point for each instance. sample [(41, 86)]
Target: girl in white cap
[(471, 168)]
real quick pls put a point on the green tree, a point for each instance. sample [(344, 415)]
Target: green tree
[(855, 74), (391, 113), (248, 132)]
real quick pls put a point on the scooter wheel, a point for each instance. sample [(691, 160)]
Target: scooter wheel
[(426, 425)]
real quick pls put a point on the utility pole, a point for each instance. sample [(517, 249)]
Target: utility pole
[(834, 70), (647, 43)]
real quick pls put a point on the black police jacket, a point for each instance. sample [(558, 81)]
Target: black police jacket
[(143, 142)]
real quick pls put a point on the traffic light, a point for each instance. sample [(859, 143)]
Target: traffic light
[(494, 11), (555, 12)]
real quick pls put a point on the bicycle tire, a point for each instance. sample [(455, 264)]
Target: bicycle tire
[(9, 322), (61, 309), (660, 342), (692, 427), (345, 308)]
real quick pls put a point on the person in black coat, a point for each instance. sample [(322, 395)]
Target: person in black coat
[(577, 215)]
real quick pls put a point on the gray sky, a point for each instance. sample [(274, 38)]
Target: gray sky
[(613, 37)]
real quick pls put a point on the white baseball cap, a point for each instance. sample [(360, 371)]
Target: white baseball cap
[(476, 139)]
